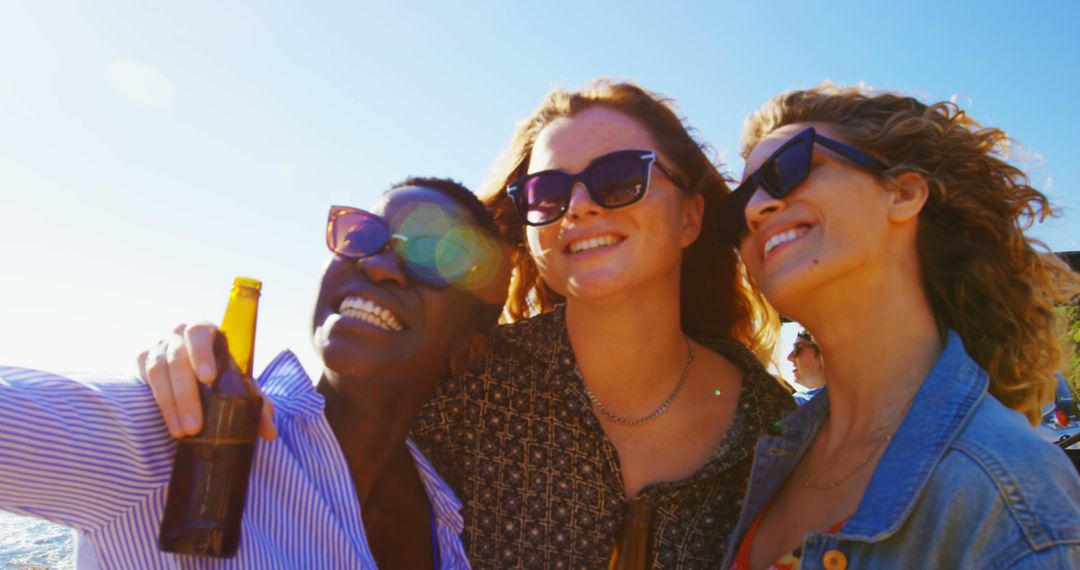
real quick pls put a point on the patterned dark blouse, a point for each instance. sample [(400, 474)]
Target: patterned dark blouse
[(539, 479)]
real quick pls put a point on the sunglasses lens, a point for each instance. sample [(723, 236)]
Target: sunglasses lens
[(785, 171), (436, 260), (357, 234), (618, 181), (545, 196)]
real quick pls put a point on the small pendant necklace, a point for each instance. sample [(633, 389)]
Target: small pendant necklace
[(663, 407), (811, 482)]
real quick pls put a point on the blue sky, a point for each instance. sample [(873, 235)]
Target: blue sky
[(149, 151)]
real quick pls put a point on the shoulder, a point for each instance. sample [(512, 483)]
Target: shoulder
[(287, 385), (524, 352), (1005, 446), (762, 401), (762, 392), (998, 478), (531, 335)]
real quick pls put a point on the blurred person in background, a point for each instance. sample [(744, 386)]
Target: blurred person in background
[(808, 367)]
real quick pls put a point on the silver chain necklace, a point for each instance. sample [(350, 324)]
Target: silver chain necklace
[(660, 409)]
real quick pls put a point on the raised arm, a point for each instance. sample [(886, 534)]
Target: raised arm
[(80, 453)]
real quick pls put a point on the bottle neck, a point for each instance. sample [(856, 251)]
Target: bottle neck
[(238, 326)]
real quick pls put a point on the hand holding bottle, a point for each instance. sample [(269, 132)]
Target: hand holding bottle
[(174, 368)]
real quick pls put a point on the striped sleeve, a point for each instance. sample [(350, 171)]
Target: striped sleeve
[(79, 452)]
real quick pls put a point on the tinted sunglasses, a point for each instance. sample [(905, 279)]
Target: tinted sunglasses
[(614, 180), (800, 347), (435, 259), (779, 176)]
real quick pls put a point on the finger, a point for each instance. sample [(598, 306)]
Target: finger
[(267, 430), (154, 369), (199, 339), (184, 386)]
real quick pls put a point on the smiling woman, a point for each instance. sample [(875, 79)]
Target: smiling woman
[(629, 386), (343, 487), (894, 230), (636, 389)]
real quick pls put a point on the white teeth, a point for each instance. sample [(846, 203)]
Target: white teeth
[(371, 312), (592, 243), (784, 237)]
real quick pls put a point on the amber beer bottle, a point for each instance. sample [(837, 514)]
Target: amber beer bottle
[(634, 545), (210, 477)]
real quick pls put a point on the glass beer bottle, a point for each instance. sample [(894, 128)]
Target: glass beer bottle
[(634, 545), (210, 475)]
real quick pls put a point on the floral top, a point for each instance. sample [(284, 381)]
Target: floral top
[(789, 561), (539, 479)]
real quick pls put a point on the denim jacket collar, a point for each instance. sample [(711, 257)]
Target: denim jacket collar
[(942, 406)]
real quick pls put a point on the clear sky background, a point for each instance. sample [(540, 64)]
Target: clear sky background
[(149, 151)]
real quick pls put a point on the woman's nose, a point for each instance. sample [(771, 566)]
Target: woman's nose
[(760, 207), (581, 203), (385, 267)]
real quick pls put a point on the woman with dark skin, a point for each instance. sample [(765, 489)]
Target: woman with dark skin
[(386, 338)]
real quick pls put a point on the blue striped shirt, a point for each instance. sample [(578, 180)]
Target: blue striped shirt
[(96, 456)]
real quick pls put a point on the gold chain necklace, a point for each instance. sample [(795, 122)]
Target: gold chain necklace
[(663, 407), (811, 482)]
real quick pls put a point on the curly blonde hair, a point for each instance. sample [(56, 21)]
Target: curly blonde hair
[(983, 277), (716, 298)]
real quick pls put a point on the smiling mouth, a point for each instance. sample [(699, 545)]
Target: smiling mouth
[(370, 312), (784, 237), (589, 244)]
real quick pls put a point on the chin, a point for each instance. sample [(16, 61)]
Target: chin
[(793, 283), (596, 286), (349, 360), (789, 295)]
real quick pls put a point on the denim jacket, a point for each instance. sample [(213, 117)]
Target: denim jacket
[(964, 483)]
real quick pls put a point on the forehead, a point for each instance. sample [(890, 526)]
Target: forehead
[(774, 140), (571, 143), (419, 206)]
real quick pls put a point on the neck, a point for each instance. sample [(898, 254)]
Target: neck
[(812, 382), (630, 351), (878, 352), (370, 423)]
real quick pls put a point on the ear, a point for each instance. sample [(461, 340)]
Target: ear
[(693, 213), (468, 352), (908, 194)]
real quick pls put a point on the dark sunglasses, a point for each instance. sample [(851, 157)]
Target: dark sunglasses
[(779, 176), (435, 259), (800, 347), (614, 180)]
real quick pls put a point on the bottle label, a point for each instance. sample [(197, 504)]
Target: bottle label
[(220, 457), (230, 419), (209, 497)]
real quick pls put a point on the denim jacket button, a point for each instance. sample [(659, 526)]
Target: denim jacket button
[(834, 560)]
